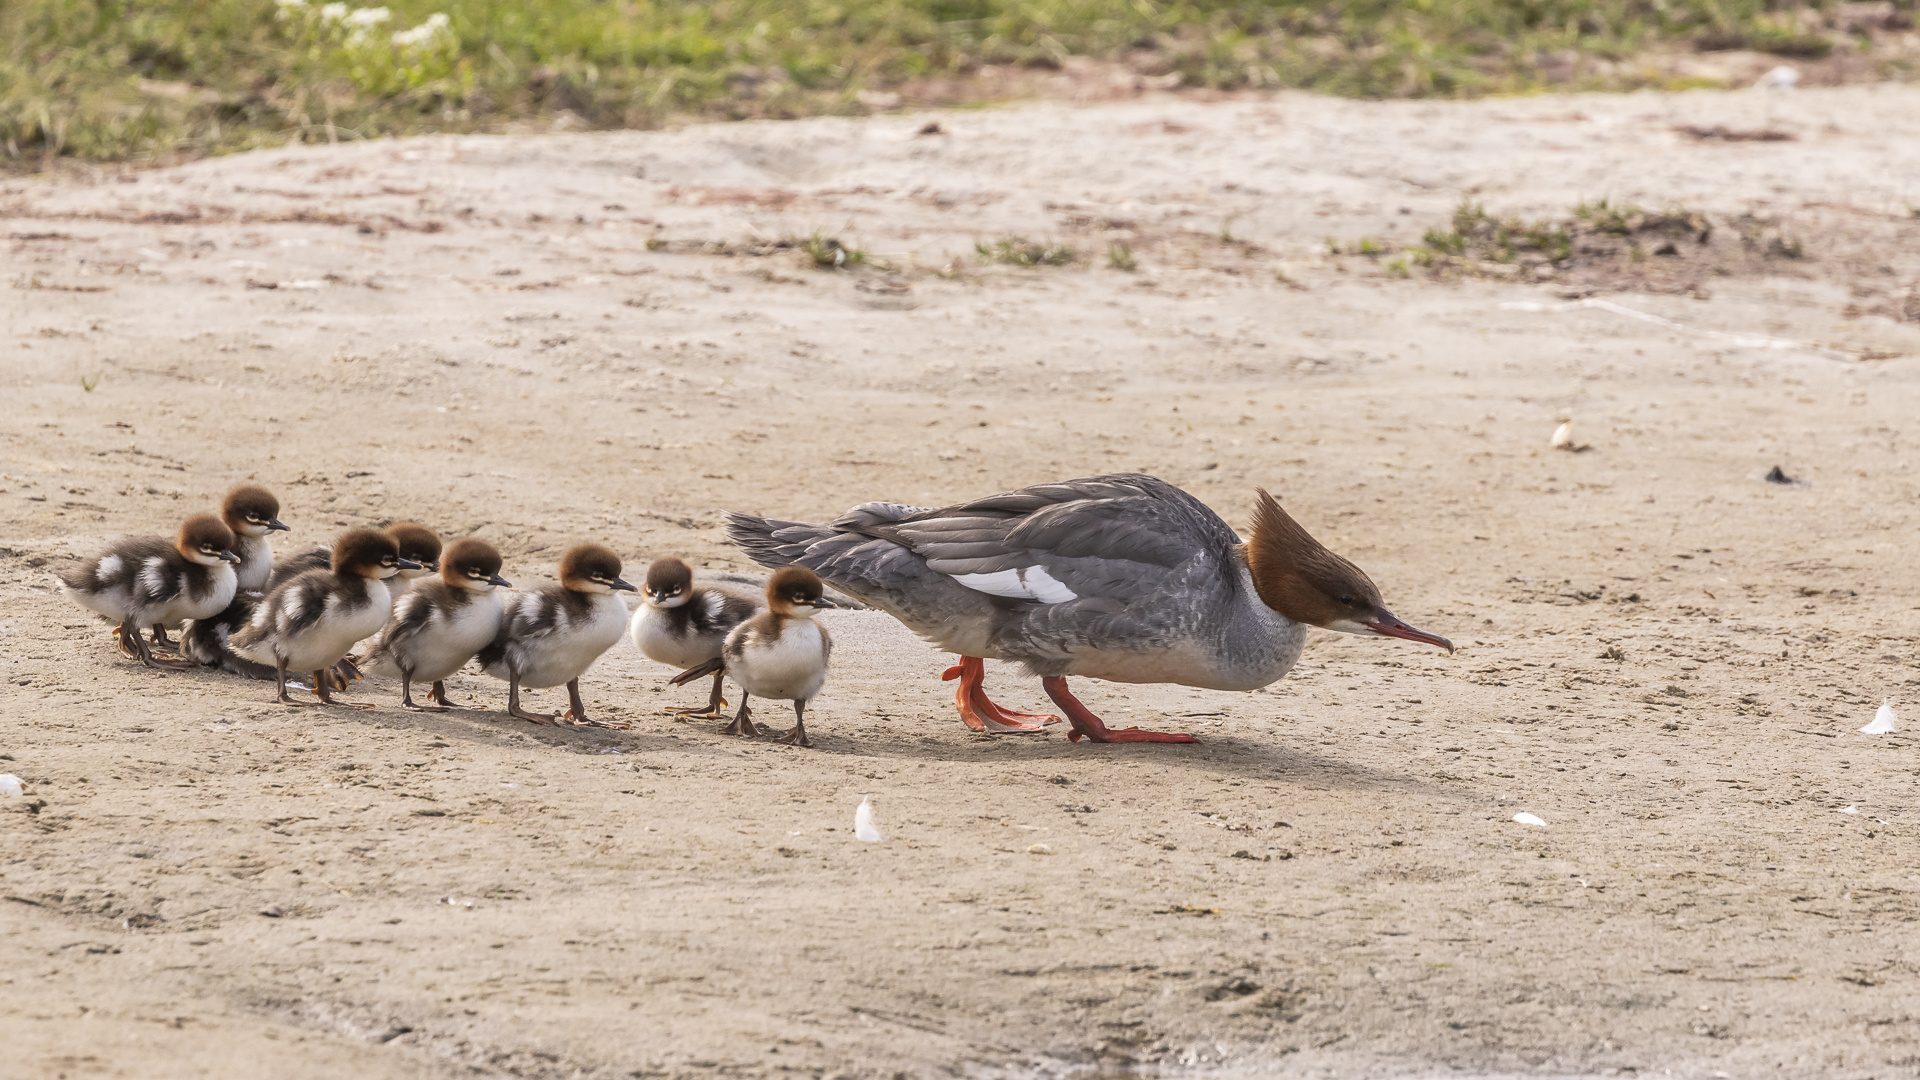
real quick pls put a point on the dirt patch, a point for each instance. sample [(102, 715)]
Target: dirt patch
[(1664, 656)]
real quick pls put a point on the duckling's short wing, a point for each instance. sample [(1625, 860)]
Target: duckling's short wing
[(718, 611), (412, 614), (290, 610), (291, 566), (135, 578), (526, 619)]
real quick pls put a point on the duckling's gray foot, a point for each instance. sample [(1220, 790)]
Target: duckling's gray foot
[(712, 709), (797, 737), (284, 698), (321, 691), (980, 713), (513, 702), (577, 711), (438, 695), (160, 637), (134, 647), (1087, 725), (406, 699), (742, 723)]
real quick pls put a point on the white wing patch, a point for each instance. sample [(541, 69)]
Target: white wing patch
[(108, 569), (1023, 583), (153, 578)]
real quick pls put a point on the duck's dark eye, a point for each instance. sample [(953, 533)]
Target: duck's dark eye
[(1347, 600)]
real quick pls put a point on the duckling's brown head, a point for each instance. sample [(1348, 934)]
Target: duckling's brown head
[(669, 583), (797, 592), (206, 540), (416, 542), (368, 553), (590, 568), (251, 510), (472, 564), (1298, 577)]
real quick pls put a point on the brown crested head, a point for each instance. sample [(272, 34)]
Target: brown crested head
[(251, 510), (1298, 577), (591, 568), (205, 539), (416, 542), (669, 579), (472, 564), (368, 553), (796, 590)]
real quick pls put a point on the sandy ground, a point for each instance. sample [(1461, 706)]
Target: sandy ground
[(1663, 656)]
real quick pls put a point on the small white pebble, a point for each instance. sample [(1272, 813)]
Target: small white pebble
[(10, 786), (1563, 436), (1525, 818), (1849, 809), (1039, 849), (1883, 721)]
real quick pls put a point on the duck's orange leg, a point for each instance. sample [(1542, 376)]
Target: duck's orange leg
[(1089, 725), (980, 713)]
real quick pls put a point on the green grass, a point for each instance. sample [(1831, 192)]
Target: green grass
[(1019, 251), (130, 79)]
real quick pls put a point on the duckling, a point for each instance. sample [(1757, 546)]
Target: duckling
[(309, 623), (685, 625), (252, 513), (146, 581), (438, 626), (781, 652), (417, 543), (552, 635)]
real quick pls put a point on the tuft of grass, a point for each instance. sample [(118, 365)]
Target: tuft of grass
[(1120, 257), (1479, 235), (1786, 247), (1606, 217), (828, 253), (1020, 251), (88, 382), (146, 79)]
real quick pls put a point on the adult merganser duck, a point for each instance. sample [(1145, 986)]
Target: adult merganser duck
[(309, 623), (252, 513), (1125, 578), (148, 581), (780, 653), (685, 625), (552, 635), (437, 626)]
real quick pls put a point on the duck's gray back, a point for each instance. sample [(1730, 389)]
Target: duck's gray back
[(1120, 577)]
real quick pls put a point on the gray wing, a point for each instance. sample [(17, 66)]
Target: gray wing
[(411, 614), (293, 608), (288, 567), (1107, 562)]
